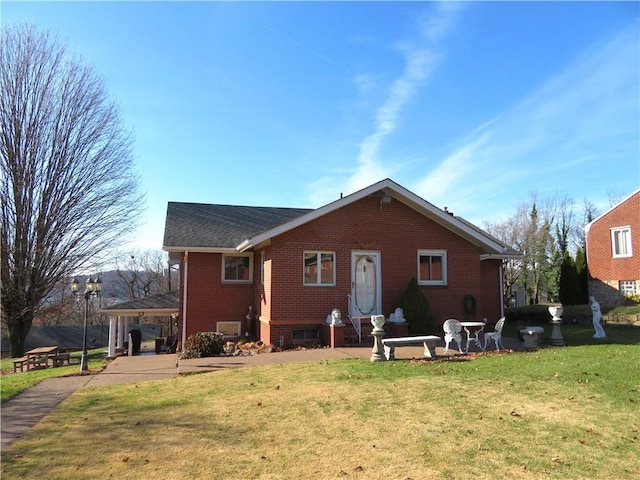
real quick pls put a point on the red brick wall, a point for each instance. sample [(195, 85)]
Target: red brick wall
[(603, 267), (397, 232), (209, 300), (283, 302)]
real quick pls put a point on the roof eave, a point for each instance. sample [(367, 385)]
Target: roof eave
[(156, 312), (501, 256), (176, 249), (401, 194)]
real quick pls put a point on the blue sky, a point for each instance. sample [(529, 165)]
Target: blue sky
[(471, 105)]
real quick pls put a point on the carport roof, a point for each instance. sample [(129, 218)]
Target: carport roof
[(158, 305)]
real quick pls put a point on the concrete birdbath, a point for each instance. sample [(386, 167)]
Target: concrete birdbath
[(556, 334)]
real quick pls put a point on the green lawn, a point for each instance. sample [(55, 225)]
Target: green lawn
[(564, 412), (13, 383), (581, 334)]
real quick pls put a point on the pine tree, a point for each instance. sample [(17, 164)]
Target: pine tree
[(583, 276), (569, 286), (416, 310)]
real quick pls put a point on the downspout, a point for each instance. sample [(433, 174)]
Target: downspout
[(184, 298)]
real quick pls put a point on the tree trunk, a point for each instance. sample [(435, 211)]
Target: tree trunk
[(18, 330)]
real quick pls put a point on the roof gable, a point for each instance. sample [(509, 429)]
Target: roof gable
[(473, 234), (223, 227), (615, 207)]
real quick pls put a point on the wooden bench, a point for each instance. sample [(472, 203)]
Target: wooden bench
[(60, 359), (429, 342), (37, 362), (19, 362)]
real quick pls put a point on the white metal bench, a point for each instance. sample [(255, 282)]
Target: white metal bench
[(429, 342)]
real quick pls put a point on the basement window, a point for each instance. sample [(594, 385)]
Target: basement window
[(306, 334), (628, 287)]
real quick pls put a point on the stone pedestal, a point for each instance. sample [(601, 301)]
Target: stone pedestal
[(556, 334), (377, 352)]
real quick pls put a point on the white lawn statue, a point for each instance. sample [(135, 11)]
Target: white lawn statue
[(335, 317), (597, 316), (397, 316)]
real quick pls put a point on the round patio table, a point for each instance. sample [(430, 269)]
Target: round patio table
[(473, 330)]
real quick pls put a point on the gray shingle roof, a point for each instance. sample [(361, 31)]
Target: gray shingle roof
[(222, 226), (162, 301)]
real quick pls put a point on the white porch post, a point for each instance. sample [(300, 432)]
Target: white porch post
[(113, 327), (120, 333), (125, 332)]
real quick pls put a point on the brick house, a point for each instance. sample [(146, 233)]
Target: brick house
[(277, 273), (613, 251)]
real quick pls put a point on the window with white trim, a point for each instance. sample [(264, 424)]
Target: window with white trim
[(432, 267), (621, 241), (319, 268), (237, 268)]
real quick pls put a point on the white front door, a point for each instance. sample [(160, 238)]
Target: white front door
[(366, 283)]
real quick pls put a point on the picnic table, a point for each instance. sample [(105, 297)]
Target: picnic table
[(39, 357)]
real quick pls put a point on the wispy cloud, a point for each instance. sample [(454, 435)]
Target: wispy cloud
[(580, 119), (420, 57)]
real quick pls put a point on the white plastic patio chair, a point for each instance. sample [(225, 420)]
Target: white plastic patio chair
[(496, 335), (452, 329)]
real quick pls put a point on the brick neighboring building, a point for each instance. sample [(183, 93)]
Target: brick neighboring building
[(276, 273), (613, 251)]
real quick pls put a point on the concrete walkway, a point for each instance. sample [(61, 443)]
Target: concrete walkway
[(23, 411)]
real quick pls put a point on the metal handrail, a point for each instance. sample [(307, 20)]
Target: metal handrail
[(354, 319)]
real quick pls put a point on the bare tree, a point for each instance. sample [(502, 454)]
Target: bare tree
[(142, 273), (529, 232), (68, 188), (512, 270), (589, 213), (564, 224)]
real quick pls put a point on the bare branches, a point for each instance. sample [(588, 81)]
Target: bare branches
[(69, 192), (142, 273), (543, 229)]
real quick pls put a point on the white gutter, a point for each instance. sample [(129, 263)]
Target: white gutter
[(199, 249), (501, 279), (245, 245), (184, 297)]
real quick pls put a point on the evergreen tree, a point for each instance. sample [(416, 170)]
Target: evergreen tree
[(569, 286), (416, 310), (583, 276)]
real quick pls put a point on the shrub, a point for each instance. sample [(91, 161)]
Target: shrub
[(416, 309), (203, 344), (632, 298)]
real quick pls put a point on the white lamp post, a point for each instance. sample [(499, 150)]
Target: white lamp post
[(91, 288)]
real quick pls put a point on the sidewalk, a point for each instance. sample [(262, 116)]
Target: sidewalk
[(23, 411)]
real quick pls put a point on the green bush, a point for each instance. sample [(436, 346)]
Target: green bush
[(203, 344), (416, 310), (632, 298)]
